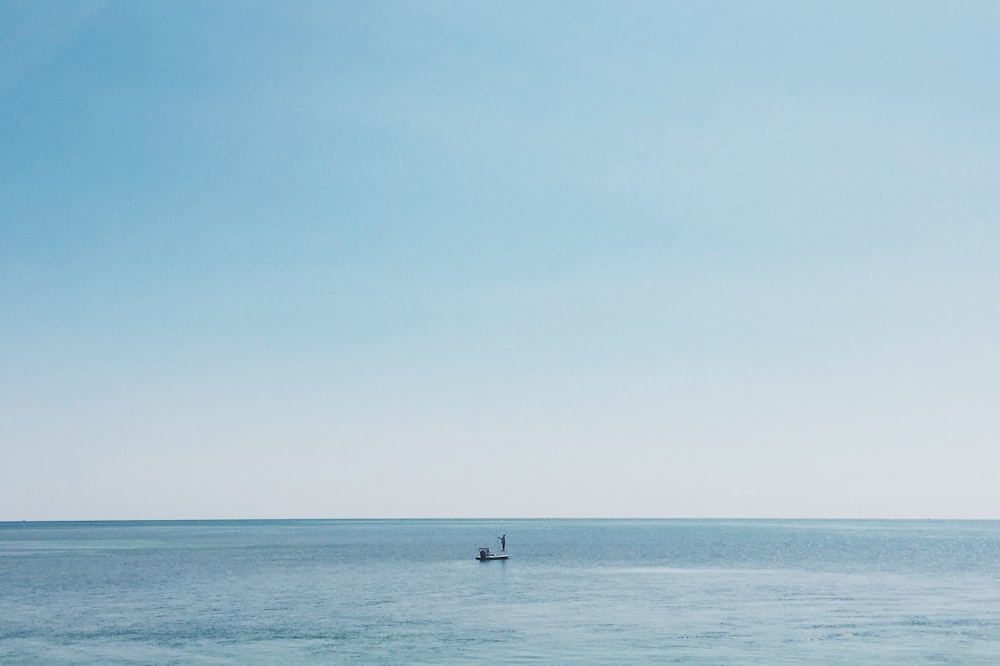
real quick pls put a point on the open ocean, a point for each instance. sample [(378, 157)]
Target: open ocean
[(574, 591)]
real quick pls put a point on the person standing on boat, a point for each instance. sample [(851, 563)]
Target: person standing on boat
[(503, 543)]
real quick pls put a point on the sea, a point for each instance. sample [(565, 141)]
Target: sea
[(572, 592)]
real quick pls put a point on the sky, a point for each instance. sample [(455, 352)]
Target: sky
[(511, 259)]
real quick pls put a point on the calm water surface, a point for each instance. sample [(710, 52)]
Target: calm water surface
[(574, 591)]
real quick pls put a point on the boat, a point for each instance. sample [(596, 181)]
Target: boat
[(486, 554)]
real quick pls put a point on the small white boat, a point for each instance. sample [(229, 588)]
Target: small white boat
[(486, 554)]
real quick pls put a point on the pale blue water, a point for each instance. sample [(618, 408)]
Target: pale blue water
[(574, 591)]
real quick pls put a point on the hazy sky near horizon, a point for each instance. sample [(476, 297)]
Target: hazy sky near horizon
[(435, 259)]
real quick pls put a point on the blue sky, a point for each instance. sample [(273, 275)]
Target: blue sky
[(509, 259)]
